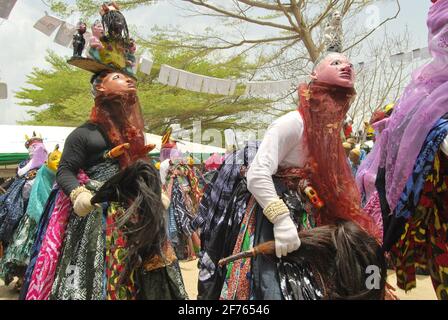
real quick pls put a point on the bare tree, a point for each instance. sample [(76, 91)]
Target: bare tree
[(295, 38), (293, 21), (291, 41), (380, 81)]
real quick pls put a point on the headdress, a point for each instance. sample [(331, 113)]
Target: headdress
[(333, 37), (388, 109), (54, 158), (80, 24), (34, 139), (169, 147), (114, 50), (166, 138)]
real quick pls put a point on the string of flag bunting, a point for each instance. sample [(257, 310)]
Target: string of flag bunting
[(6, 7), (195, 82), (184, 79), (403, 57)]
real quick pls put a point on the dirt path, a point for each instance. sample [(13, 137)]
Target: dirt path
[(424, 290), (8, 292)]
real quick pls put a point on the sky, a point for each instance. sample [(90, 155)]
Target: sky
[(25, 48)]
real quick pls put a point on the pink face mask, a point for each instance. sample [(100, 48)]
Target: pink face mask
[(335, 69)]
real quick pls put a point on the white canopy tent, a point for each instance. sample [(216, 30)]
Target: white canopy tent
[(13, 140)]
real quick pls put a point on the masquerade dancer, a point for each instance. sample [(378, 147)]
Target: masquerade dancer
[(89, 250), (299, 179), (17, 255), (13, 202), (409, 161)]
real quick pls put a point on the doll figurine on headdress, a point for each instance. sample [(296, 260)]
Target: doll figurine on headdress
[(116, 41), (333, 32), (130, 55), (114, 23), (110, 46), (95, 44), (78, 39)]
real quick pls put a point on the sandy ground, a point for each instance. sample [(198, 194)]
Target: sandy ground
[(8, 292), (424, 290)]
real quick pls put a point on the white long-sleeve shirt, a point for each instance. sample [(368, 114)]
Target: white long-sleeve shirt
[(282, 147)]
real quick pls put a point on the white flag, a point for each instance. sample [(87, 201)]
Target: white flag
[(174, 76), (279, 86), (232, 88), (285, 85), (6, 8), (223, 87), (416, 53), (396, 58), (47, 24), (164, 74), (205, 84), (195, 82), (262, 87), (407, 57), (274, 88), (189, 82), (360, 66), (425, 53), (212, 86), (64, 37), (3, 90), (146, 66), (182, 79), (255, 88)]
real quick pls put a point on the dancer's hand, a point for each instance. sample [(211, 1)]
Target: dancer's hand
[(285, 235), (118, 150), (81, 198)]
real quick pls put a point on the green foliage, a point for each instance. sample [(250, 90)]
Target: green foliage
[(89, 8), (65, 91)]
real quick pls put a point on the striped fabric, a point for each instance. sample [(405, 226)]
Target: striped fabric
[(47, 260)]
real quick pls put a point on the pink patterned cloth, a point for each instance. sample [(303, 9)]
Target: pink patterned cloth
[(423, 102), (47, 260), (373, 209)]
